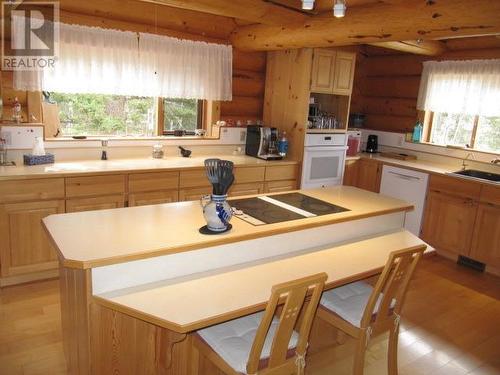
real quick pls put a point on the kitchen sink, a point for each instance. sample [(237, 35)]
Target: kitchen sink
[(480, 175)]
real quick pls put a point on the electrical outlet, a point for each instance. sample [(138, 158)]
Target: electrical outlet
[(7, 135), (243, 136)]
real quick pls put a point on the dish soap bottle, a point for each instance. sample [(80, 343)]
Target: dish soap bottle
[(283, 145), (417, 132)]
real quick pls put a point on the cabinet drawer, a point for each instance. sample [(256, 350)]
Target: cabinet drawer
[(95, 203), (490, 194), (280, 186), (455, 186), (281, 172), (246, 189), (193, 178), (139, 182), (94, 185), (153, 197), (194, 194), (29, 190), (251, 174)]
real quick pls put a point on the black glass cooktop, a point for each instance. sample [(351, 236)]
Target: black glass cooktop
[(269, 213)]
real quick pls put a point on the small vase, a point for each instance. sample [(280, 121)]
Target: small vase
[(217, 212)]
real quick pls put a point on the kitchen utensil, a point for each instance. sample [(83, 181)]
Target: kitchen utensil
[(212, 173), (185, 152)]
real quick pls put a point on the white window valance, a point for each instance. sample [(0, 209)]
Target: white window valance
[(93, 60), (467, 87)]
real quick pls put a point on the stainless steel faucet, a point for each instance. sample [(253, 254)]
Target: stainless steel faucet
[(464, 164)]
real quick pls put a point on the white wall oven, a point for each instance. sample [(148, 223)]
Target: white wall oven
[(324, 159)]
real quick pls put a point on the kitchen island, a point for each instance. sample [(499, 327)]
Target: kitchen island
[(135, 281)]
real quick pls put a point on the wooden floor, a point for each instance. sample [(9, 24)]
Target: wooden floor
[(451, 325)]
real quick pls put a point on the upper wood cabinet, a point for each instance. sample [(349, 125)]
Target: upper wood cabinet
[(345, 63), (332, 72), (323, 71)]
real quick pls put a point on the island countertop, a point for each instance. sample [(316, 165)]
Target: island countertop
[(97, 238)]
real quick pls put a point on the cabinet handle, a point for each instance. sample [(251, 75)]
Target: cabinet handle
[(405, 176)]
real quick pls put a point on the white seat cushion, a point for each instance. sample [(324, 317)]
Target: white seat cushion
[(233, 340), (349, 301)]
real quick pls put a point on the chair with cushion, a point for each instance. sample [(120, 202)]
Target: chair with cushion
[(361, 310), (266, 342)]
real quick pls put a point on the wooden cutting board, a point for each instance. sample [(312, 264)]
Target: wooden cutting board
[(395, 155)]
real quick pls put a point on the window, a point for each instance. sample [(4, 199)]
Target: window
[(106, 115), (118, 115), (462, 103), (477, 132), (182, 114)]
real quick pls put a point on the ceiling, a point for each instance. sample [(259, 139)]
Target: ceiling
[(388, 25)]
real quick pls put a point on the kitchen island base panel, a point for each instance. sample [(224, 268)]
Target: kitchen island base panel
[(125, 275)]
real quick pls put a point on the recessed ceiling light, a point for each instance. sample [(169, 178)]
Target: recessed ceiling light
[(339, 8), (308, 4)]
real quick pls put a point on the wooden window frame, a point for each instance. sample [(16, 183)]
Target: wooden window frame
[(201, 124), (429, 122)]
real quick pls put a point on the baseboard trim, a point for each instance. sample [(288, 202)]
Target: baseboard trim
[(21, 279)]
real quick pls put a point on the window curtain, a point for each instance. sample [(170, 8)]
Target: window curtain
[(93, 60), (461, 87), (175, 68)]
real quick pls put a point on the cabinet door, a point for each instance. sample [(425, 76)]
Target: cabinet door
[(95, 203), (449, 222), (25, 247), (344, 73), (194, 194), (369, 174), (486, 237), (153, 197), (280, 186), (246, 189), (350, 173), (323, 71)]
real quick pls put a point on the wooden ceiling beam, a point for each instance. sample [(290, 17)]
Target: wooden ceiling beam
[(416, 47), (261, 11), (381, 22)]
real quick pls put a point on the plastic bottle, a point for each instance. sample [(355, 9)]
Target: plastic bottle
[(283, 145), (417, 132)]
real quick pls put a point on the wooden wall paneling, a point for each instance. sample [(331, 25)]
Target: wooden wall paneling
[(393, 86), (142, 16), (247, 83), (249, 61), (390, 106), (417, 47), (242, 106), (286, 103)]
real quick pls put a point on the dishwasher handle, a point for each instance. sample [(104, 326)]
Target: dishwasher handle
[(405, 176)]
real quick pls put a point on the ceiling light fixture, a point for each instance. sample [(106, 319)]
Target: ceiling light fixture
[(308, 4), (339, 8)]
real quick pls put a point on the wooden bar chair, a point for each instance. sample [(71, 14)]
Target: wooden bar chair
[(264, 343), (361, 310)]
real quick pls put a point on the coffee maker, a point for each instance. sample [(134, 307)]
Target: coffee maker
[(262, 142), (372, 144)]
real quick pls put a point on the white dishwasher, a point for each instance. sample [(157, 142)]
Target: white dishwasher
[(407, 185)]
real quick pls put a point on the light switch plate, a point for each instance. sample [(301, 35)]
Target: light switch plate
[(20, 137)]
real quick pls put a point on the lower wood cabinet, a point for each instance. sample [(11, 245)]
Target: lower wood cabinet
[(449, 222), (153, 197), (95, 203), (350, 173), (24, 246), (486, 236), (369, 174)]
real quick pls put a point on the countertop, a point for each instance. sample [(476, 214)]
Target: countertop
[(423, 166), (202, 300), (65, 169), (97, 238)]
